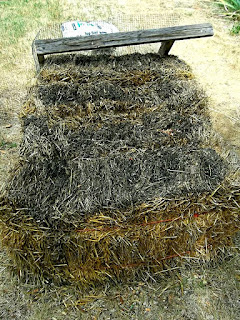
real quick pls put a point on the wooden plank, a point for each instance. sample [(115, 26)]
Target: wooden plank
[(61, 45), (35, 57), (165, 47), (40, 59)]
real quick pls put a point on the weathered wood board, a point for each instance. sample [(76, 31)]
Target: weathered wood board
[(165, 35)]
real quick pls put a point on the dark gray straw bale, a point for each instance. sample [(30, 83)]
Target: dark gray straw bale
[(118, 172), (112, 132), (69, 189)]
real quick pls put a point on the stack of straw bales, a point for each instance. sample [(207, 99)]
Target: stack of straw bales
[(118, 171)]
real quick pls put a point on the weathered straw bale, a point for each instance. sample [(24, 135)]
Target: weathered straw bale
[(118, 170), (116, 243)]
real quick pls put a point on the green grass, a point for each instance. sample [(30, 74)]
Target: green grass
[(235, 29), (21, 16), (231, 7), (232, 10), (20, 20), (7, 145)]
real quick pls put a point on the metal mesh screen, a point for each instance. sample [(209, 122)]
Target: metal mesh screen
[(124, 23)]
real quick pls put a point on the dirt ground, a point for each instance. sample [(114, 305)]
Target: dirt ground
[(198, 292)]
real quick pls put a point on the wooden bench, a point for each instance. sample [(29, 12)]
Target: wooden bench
[(166, 36)]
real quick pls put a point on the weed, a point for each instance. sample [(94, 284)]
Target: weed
[(232, 7), (235, 29), (7, 145)]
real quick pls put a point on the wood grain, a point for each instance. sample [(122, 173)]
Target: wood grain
[(61, 45), (165, 47)]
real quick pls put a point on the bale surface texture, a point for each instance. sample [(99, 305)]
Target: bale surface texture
[(118, 170)]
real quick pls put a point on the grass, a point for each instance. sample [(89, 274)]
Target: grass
[(235, 29), (20, 21), (21, 16), (7, 145), (231, 9)]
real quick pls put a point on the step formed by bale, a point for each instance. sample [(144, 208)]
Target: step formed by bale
[(118, 171)]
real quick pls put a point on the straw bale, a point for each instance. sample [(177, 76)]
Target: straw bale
[(110, 244), (138, 125), (69, 189), (118, 171)]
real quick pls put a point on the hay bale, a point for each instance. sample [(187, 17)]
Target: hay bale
[(118, 171)]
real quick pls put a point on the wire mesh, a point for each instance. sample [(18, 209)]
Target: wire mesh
[(124, 23)]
